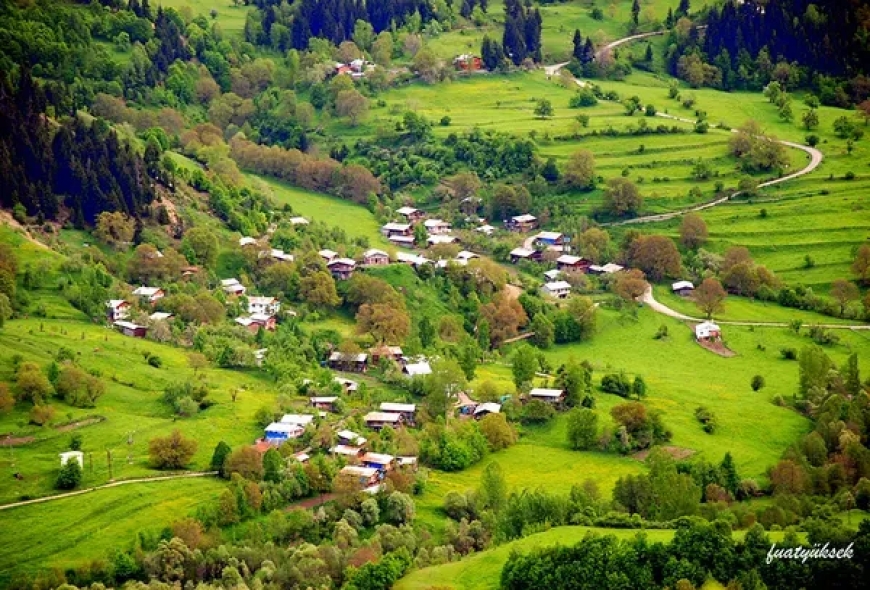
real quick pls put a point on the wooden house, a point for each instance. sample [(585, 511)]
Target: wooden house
[(351, 454), (410, 214), (326, 404), (393, 353), (550, 396), (367, 476), (354, 362), (379, 461), (522, 223), (436, 227), (233, 287), (130, 329), (377, 420), (117, 309), (467, 63), (518, 254), (683, 288), (350, 438), (327, 254), (375, 257), (256, 321), (349, 385), (397, 229), (342, 268), (407, 411), (567, 262)]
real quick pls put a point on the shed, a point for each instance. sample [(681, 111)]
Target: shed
[(485, 409), (131, 329), (72, 456), (552, 396), (683, 288), (708, 331)]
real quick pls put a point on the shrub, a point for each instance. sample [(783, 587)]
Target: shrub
[(789, 354), (70, 475), (662, 332), (757, 382), (849, 175), (171, 452), (155, 361), (75, 442), (823, 336), (537, 412), (41, 415), (707, 419), (617, 384), (445, 121)]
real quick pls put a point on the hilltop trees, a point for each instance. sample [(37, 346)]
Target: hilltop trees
[(756, 150), (522, 32)]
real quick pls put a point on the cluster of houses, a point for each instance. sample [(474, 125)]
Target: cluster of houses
[(467, 63), (356, 68), (359, 362)]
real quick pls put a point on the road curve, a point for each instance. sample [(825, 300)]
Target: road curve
[(815, 155), (113, 484), (649, 299)]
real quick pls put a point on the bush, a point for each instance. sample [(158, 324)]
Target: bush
[(75, 442), (757, 382), (661, 333), (823, 336), (70, 475), (707, 419), (617, 384), (537, 412), (41, 415), (583, 98), (155, 361), (789, 354), (171, 452), (445, 121)]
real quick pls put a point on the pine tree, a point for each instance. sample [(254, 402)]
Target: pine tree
[(669, 20), (728, 477), (683, 8), (635, 12), (577, 53), (588, 51)]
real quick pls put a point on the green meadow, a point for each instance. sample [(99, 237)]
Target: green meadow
[(230, 17)]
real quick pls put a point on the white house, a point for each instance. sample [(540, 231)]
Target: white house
[(553, 275), (551, 396), (557, 289), (117, 309), (263, 305), (683, 288), (417, 369), (486, 230), (302, 420), (486, 408), (327, 254), (68, 456), (708, 331), (149, 294), (441, 239), (607, 269), (280, 255), (233, 287), (160, 316), (436, 226)]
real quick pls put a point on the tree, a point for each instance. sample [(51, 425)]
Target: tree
[(171, 452), (657, 256), (427, 65), (622, 197), (741, 279), (318, 289), (630, 284), (70, 475), (5, 308), (115, 229), (582, 429), (386, 323), (399, 508), (844, 292), (493, 487), (710, 297), (635, 13), (7, 401), (580, 170), (446, 380), (861, 264), (32, 384), (638, 387), (814, 367), (693, 231), (757, 382), (246, 461), (594, 245), (524, 366), (273, 465), (504, 315), (201, 245), (351, 104), (544, 109), (810, 119), (499, 434), (545, 331), (219, 458)]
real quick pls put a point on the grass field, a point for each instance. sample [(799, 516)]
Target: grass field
[(76, 530), (230, 18), (481, 571)]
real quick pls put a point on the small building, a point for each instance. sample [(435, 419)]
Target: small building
[(518, 254), (358, 65), (414, 260), (553, 275), (260, 356), (397, 229), (436, 226), (522, 223), (486, 230), (550, 239), (567, 262), (327, 254), (266, 305), (467, 63), (233, 287), (407, 463), (410, 214), (117, 309), (247, 241), (130, 329), (683, 288), (417, 369), (350, 453), (257, 321), (607, 269), (301, 420), (149, 295), (323, 403), (280, 255), (441, 239), (375, 257), (400, 240), (367, 476), (407, 411), (707, 331), (341, 68), (350, 438), (557, 289), (298, 221), (465, 255), (300, 457), (76, 456), (345, 361), (342, 268), (377, 420), (349, 385), (160, 316), (277, 433), (551, 396), (485, 409), (379, 461), (393, 353)]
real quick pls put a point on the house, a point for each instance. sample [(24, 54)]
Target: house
[(327, 254), (160, 316), (246, 241), (367, 476), (379, 461), (117, 309), (441, 239), (348, 385), (707, 331), (557, 289), (276, 254), (407, 411), (342, 268), (255, 321), (410, 214), (400, 240), (301, 420), (76, 456), (683, 288), (350, 453), (260, 356), (358, 65), (393, 353), (131, 329), (522, 223), (573, 263), (553, 275), (350, 438), (341, 68), (233, 287), (375, 257), (551, 396), (485, 409), (377, 420), (486, 230), (149, 294), (407, 463), (278, 432), (607, 269), (466, 255), (347, 361), (413, 259), (298, 221), (518, 254), (436, 226), (266, 305), (417, 369), (397, 229), (550, 239), (300, 457), (467, 63), (323, 403)]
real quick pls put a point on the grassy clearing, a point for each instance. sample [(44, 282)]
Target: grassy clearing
[(481, 571), (230, 18), (73, 531)]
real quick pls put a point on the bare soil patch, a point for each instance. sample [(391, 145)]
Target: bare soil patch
[(717, 347), (79, 424), (678, 453), (16, 441)]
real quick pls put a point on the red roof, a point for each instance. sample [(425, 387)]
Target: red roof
[(262, 446)]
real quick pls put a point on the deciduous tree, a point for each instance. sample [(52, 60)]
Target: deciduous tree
[(582, 429), (580, 170), (710, 297), (622, 197), (844, 292), (171, 452), (693, 231)]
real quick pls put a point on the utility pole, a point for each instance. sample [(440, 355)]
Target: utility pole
[(109, 462)]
